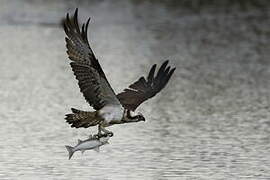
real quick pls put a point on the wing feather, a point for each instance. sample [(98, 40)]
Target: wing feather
[(141, 90), (86, 68)]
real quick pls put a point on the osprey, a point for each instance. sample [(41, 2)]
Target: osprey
[(109, 108)]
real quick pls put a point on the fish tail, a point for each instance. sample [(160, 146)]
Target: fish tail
[(70, 151)]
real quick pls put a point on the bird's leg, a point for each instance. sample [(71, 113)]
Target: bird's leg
[(102, 129), (99, 129), (99, 134), (107, 132)]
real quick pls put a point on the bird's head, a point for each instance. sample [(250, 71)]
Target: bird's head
[(133, 117)]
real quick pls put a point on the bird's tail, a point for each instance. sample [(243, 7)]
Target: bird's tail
[(82, 118), (70, 151)]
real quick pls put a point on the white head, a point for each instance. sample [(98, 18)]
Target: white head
[(134, 117)]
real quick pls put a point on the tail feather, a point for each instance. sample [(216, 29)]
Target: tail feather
[(82, 118), (70, 151)]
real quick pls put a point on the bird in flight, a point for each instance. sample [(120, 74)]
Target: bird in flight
[(109, 108)]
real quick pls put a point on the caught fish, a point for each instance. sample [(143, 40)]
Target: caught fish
[(90, 143)]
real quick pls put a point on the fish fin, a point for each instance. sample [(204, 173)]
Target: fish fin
[(79, 141), (96, 149), (70, 151), (82, 151)]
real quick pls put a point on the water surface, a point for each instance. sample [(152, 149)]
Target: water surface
[(210, 122)]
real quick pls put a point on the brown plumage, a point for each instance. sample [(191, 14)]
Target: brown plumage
[(92, 80), (142, 89), (82, 118), (110, 108)]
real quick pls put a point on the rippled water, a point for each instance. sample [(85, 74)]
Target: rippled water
[(210, 122)]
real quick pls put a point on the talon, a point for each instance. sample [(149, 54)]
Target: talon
[(110, 134), (96, 136)]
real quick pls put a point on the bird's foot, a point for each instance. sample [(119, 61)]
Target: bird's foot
[(96, 136), (100, 135), (110, 134)]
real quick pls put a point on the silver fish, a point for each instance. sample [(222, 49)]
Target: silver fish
[(90, 143)]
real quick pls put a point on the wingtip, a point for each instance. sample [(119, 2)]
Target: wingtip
[(166, 61), (154, 66), (76, 12), (88, 20), (164, 64), (86, 24), (167, 70), (172, 71), (151, 74), (162, 69), (67, 16), (169, 67)]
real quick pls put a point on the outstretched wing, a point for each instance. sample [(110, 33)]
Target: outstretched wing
[(92, 80), (143, 89)]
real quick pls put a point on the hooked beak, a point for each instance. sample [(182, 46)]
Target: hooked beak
[(141, 118)]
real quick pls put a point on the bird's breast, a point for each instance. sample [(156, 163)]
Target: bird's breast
[(111, 114)]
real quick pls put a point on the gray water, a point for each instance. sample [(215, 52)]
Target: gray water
[(210, 122)]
